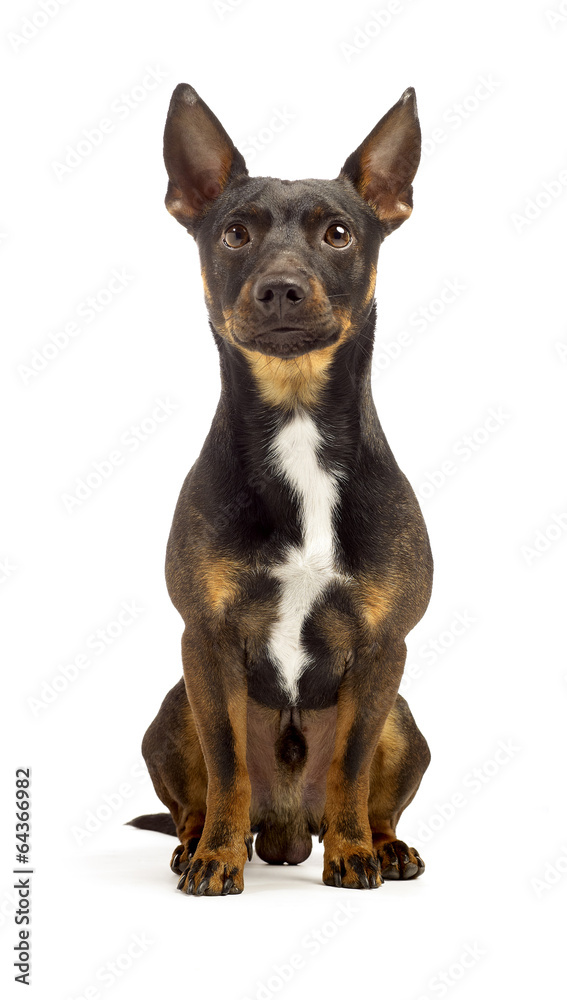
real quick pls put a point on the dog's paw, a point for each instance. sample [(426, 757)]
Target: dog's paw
[(216, 873), (181, 857), (353, 868), (398, 861)]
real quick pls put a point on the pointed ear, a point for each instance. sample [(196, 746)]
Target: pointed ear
[(384, 165), (200, 157)]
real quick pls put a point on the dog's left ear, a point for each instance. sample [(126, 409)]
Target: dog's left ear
[(200, 157), (384, 165)]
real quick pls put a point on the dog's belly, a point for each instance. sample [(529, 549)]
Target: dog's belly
[(278, 791)]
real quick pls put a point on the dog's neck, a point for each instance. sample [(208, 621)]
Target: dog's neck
[(260, 394)]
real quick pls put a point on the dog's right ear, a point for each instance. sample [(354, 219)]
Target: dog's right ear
[(200, 157)]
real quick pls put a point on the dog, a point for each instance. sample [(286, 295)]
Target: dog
[(298, 557)]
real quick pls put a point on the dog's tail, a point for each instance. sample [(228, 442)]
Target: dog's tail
[(160, 822)]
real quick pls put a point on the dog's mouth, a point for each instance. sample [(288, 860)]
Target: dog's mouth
[(288, 341)]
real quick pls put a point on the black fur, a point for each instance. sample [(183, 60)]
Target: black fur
[(160, 822)]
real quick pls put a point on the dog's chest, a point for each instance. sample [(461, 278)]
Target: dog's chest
[(307, 568)]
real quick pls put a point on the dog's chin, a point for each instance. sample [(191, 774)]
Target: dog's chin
[(288, 342)]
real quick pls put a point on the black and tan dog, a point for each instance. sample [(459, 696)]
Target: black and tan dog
[(298, 557)]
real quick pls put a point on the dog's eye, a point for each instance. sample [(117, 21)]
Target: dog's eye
[(337, 236), (236, 236)]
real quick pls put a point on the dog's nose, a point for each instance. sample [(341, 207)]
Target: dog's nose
[(279, 295)]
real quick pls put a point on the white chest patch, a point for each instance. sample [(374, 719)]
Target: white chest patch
[(308, 568)]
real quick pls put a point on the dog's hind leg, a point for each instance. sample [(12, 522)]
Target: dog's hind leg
[(399, 763), (174, 758)]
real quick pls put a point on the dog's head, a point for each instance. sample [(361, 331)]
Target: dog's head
[(289, 267)]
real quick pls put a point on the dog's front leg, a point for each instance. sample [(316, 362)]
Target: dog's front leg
[(366, 696), (216, 688)]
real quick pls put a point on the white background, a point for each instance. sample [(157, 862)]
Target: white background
[(492, 829)]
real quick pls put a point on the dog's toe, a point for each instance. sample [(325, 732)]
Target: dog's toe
[(214, 873), (181, 858), (357, 870), (398, 861)]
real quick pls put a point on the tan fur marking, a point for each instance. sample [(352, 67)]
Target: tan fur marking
[(377, 600), (295, 381), (220, 579), (208, 295), (388, 763), (288, 382), (371, 287), (392, 743)]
